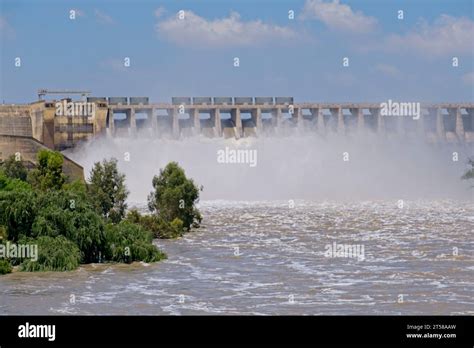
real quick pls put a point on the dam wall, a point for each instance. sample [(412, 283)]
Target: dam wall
[(24, 131), (231, 117)]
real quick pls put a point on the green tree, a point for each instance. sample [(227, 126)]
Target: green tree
[(15, 169), (48, 174), (174, 197), (17, 212), (107, 190)]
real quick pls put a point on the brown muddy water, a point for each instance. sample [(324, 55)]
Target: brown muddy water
[(272, 259)]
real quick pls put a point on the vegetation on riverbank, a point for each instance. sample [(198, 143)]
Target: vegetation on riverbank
[(172, 204), (469, 174), (73, 223)]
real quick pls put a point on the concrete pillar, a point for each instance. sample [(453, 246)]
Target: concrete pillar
[(299, 118), (278, 118), (133, 121), (360, 119), (216, 115), (175, 122), (70, 133), (48, 127), (257, 119), (459, 123), (440, 124), (111, 122), (154, 122), (337, 112), (236, 118), (99, 119), (37, 124), (341, 127), (196, 121), (470, 112)]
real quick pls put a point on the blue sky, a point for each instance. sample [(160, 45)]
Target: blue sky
[(389, 58)]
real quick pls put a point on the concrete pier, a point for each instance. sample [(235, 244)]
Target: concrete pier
[(456, 112), (257, 120), (111, 122), (133, 121), (237, 121), (440, 130), (196, 121), (174, 115), (216, 121)]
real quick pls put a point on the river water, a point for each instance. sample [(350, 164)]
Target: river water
[(271, 257)]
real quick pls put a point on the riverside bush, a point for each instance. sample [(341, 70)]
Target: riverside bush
[(5, 267), (128, 242), (70, 215), (155, 224), (54, 254)]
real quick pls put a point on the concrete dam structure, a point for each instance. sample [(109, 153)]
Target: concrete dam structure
[(230, 117), (244, 117), (21, 133)]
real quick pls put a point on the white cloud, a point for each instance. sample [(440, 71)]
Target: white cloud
[(338, 16), (103, 17), (228, 31), (447, 35)]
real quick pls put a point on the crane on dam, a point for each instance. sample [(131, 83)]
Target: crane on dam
[(43, 92)]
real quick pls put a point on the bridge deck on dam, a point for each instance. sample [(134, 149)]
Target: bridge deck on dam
[(303, 105), (452, 122)]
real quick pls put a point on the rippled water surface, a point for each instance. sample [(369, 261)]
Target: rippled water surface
[(268, 258)]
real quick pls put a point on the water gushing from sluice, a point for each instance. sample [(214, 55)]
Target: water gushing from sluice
[(305, 166)]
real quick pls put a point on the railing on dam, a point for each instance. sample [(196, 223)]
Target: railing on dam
[(248, 116)]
